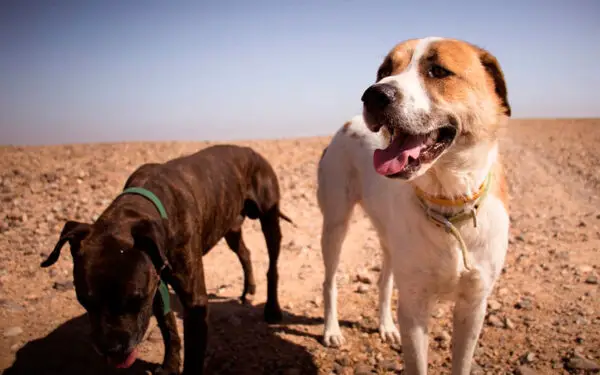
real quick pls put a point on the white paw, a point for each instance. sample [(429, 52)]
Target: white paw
[(389, 333), (333, 338)]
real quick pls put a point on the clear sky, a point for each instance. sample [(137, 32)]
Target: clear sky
[(76, 71)]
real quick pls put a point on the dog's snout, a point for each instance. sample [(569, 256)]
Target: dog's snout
[(379, 96)]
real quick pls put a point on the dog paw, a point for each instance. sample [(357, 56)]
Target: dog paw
[(273, 314), (333, 338), (389, 333)]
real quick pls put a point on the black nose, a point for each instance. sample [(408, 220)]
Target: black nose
[(379, 96)]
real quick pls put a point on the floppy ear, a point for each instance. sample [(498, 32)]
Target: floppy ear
[(492, 67), (150, 236), (73, 232)]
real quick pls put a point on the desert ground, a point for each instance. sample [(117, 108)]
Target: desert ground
[(543, 317)]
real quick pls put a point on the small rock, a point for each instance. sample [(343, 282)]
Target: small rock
[(344, 361), (376, 268), (578, 362), (7, 305), (15, 347), (362, 369), (524, 304), (524, 370), (495, 321), (390, 365), (362, 289), (364, 277), (494, 305), (529, 357), (508, 324), (13, 331), (476, 369), (592, 279), (63, 286), (520, 238)]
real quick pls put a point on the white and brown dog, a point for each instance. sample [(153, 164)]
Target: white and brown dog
[(423, 163)]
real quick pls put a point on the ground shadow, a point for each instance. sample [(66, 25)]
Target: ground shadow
[(67, 351), (240, 342)]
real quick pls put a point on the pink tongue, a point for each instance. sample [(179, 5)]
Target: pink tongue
[(128, 361), (394, 158)]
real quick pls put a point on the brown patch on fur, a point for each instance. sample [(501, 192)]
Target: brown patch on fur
[(475, 87), (346, 126), (499, 187), (397, 59)]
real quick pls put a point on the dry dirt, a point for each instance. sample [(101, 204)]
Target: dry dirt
[(544, 317)]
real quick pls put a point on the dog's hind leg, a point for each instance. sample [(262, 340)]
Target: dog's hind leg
[(269, 221), (236, 243)]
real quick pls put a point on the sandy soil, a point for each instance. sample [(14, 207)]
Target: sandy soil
[(544, 317)]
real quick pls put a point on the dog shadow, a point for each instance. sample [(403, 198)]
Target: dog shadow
[(239, 342), (68, 351)]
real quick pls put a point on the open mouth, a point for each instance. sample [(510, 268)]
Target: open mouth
[(407, 152)]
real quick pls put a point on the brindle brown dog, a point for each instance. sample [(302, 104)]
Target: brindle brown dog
[(119, 260)]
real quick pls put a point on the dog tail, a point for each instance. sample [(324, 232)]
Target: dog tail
[(286, 218)]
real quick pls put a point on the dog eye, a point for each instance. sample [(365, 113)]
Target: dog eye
[(437, 71)]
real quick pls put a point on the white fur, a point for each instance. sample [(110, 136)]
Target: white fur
[(424, 259), (410, 82)]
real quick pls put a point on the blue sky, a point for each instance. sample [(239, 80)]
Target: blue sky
[(101, 71)]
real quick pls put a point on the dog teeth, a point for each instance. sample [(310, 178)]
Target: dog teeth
[(432, 137)]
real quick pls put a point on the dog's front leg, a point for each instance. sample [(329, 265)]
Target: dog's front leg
[(168, 328), (191, 289), (414, 309), (387, 328), (469, 313)]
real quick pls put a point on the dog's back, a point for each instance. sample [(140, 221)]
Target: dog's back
[(217, 184)]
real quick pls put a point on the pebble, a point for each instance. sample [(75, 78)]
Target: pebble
[(362, 289), (524, 304), (495, 321), (577, 362), (364, 277), (524, 370), (343, 361), (63, 286), (592, 279), (494, 305), (362, 369), (508, 324), (529, 357), (390, 365), (13, 331)]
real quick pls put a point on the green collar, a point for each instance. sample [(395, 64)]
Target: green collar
[(162, 288)]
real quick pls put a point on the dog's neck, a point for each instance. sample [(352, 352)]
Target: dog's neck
[(458, 176)]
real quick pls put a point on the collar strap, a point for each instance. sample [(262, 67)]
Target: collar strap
[(454, 202), (449, 222), (163, 289), (150, 196)]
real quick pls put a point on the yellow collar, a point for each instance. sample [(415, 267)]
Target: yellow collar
[(458, 201), (449, 221)]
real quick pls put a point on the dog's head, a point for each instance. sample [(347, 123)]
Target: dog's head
[(433, 98), (115, 278)]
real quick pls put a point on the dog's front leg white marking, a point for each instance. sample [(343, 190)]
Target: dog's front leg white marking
[(414, 310), (468, 321), (387, 328), (332, 237)]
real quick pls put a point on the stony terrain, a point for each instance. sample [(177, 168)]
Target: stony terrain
[(544, 316)]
